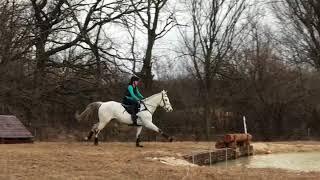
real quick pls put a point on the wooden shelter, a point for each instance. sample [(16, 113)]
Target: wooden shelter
[(13, 131)]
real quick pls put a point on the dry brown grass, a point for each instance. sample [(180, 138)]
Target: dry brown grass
[(75, 160)]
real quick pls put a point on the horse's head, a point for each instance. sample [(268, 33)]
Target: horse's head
[(165, 102)]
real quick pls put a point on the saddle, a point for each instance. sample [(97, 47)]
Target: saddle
[(129, 108)]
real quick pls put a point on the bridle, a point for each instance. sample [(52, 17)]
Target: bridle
[(164, 103), (162, 99)]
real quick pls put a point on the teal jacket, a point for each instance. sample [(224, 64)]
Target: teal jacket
[(133, 93)]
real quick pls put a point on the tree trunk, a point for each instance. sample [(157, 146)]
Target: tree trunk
[(146, 73), (41, 59), (99, 71), (207, 115), (39, 79)]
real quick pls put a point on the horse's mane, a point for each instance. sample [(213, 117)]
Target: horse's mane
[(150, 97)]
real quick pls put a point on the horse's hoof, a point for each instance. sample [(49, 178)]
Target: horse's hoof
[(170, 139), (138, 145)]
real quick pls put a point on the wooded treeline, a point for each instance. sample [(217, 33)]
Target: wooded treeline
[(57, 56)]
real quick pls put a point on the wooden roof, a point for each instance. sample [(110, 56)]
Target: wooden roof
[(11, 127)]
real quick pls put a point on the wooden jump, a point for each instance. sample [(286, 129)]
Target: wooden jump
[(232, 146)]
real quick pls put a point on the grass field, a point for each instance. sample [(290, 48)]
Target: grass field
[(79, 160)]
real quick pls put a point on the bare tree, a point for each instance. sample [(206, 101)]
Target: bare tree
[(270, 93), (210, 42), (132, 28), (59, 26), (82, 22), (49, 20), (15, 32), (300, 29), (99, 14), (157, 23), (15, 48)]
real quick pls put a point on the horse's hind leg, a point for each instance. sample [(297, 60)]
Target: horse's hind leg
[(97, 130), (94, 127), (96, 141), (89, 135)]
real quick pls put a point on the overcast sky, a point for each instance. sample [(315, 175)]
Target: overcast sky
[(165, 49)]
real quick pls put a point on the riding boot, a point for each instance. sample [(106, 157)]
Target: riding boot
[(138, 142), (134, 118)]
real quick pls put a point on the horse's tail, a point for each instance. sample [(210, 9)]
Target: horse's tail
[(91, 112)]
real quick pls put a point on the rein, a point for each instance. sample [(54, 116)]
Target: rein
[(146, 109)]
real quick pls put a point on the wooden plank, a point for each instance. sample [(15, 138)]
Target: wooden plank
[(228, 138)]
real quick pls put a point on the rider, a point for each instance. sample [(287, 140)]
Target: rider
[(132, 97)]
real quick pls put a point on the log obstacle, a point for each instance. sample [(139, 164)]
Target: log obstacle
[(231, 146), (234, 140)]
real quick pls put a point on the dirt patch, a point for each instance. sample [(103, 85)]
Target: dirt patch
[(172, 161), (125, 161)]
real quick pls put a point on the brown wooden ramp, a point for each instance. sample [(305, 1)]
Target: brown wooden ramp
[(13, 131)]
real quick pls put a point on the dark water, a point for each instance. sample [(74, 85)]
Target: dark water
[(302, 161)]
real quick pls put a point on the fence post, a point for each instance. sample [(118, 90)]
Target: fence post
[(192, 158), (226, 157)]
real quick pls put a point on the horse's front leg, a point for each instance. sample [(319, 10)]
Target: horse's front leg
[(150, 125), (138, 140)]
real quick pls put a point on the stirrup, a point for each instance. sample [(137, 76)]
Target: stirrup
[(133, 124)]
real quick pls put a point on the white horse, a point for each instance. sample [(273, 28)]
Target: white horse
[(104, 112)]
